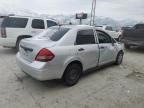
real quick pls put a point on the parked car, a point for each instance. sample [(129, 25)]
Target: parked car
[(15, 28), (110, 30), (66, 52), (133, 36)]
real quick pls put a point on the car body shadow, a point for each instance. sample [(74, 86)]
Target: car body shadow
[(97, 70), (58, 84)]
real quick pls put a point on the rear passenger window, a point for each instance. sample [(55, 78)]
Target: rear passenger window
[(38, 24), (15, 22), (85, 37), (51, 23)]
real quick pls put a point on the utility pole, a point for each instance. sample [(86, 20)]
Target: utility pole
[(93, 10)]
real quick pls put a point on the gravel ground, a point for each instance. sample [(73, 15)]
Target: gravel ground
[(111, 87)]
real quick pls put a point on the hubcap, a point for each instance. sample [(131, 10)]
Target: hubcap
[(74, 75)]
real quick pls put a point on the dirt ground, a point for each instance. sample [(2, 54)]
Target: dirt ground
[(111, 87)]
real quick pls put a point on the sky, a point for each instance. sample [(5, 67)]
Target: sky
[(116, 9)]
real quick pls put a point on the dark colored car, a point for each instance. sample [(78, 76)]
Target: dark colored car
[(133, 36)]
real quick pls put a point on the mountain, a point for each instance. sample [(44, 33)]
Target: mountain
[(99, 20)]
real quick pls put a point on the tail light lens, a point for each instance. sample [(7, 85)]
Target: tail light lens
[(3, 32), (44, 55)]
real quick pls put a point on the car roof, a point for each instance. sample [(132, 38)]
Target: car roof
[(36, 17), (79, 27), (76, 26)]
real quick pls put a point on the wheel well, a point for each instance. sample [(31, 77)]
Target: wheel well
[(23, 36), (121, 51), (74, 62)]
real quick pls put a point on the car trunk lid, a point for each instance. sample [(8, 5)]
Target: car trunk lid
[(29, 48)]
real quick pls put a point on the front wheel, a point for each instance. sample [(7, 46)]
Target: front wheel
[(119, 58), (72, 74)]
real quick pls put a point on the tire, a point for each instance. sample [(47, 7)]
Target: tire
[(127, 46), (72, 74), (119, 58)]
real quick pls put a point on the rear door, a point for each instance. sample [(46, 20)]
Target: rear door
[(37, 26), (87, 48), (107, 48)]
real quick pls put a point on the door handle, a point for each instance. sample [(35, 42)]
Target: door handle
[(81, 49)]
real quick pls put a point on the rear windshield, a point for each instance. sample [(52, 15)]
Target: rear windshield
[(15, 22), (54, 34)]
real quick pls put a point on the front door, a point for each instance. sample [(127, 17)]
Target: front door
[(87, 48), (107, 48)]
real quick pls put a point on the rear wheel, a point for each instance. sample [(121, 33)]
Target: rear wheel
[(72, 74), (119, 58)]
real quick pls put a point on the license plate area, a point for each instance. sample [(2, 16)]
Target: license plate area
[(26, 53)]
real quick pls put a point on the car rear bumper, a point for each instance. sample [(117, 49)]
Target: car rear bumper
[(8, 42), (36, 70), (135, 43)]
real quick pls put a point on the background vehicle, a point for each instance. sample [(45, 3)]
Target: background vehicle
[(15, 28), (110, 30), (133, 36), (67, 51)]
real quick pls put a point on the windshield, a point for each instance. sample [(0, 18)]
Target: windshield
[(54, 34)]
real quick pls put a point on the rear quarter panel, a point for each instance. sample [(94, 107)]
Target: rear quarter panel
[(63, 56)]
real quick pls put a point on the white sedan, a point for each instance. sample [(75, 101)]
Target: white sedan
[(66, 52)]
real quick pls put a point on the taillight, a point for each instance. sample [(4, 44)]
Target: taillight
[(44, 55), (3, 32)]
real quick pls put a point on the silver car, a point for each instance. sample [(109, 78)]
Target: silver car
[(66, 52)]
